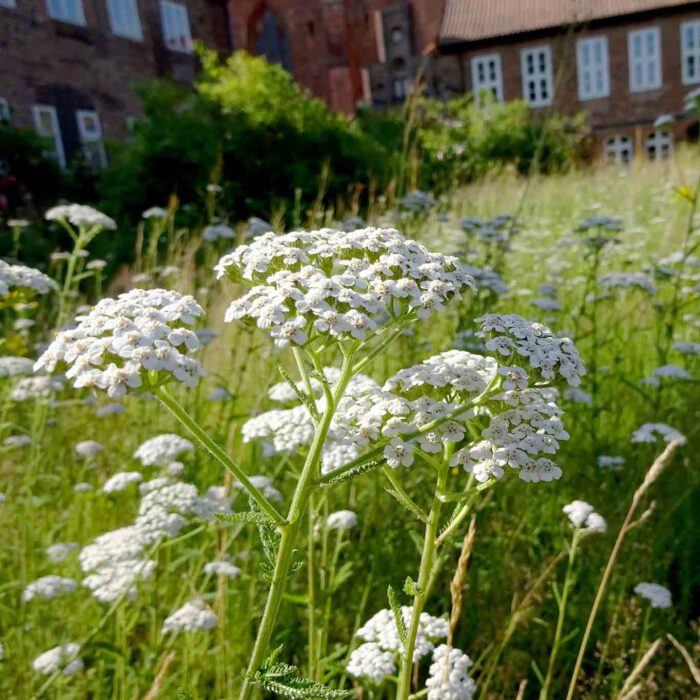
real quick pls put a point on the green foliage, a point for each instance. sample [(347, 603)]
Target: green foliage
[(460, 140), (25, 172), (395, 606), (278, 677), (266, 138)]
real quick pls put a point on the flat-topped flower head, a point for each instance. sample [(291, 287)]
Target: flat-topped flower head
[(547, 357), (192, 616), (80, 215), (659, 596), (48, 587), (63, 659), (339, 284), (341, 520), (23, 282), (652, 432), (628, 280), (11, 366), (161, 450), (452, 375), (140, 338)]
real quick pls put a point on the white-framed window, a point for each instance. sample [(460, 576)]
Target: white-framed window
[(90, 132), (690, 52), (70, 11), (644, 47), (5, 114), (659, 144), (487, 75), (7, 3), (536, 67), (124, 18), (176, 26), (619, 149), (592, 68), (46, 125), (400, 88)]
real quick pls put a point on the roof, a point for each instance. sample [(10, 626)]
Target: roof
[(474, 20)]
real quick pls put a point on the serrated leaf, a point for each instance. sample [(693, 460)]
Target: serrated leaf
[(360, 469), (283, 679), (398, 617), (246, 516), (412, 507), (410, 587)]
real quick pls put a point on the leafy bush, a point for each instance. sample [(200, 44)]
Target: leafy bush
[(461, 140), (247, 124), (27, 176)]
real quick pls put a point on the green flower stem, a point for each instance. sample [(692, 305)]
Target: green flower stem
[(568, 580), (290, 531), (215, 450), (426, 566)]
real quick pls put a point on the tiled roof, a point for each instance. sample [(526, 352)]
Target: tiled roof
[(472, 20)]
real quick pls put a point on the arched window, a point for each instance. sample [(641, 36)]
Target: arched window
[(271, 40), (659, 144), (619, 149)]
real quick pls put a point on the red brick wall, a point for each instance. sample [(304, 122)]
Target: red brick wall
[(36, 51), (623, 111)]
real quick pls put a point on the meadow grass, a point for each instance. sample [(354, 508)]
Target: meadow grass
[(512, 587)]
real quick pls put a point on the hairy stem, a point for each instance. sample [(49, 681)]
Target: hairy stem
[(217, 452), (426, 565), (290, 531)]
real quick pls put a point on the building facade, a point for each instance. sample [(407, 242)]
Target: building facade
[(631, 65), (68, 68)]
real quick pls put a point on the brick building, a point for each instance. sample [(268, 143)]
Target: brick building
[(346, 51), (630, 64), (68, 67)]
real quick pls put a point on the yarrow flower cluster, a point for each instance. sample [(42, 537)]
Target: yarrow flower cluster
[(216, 232), (116, 561), (341, 520), (162, 449), (24, 279), (80, 215), (120, 481), (121, 340), (28, 388), (547, 355), (62, 658), (221, 568), (48, 587), (659, 596), (628, 280), (583, 516), (338, 283), (651, 432), (15, 366), (192, 616), (447, 676), (376, 658)]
